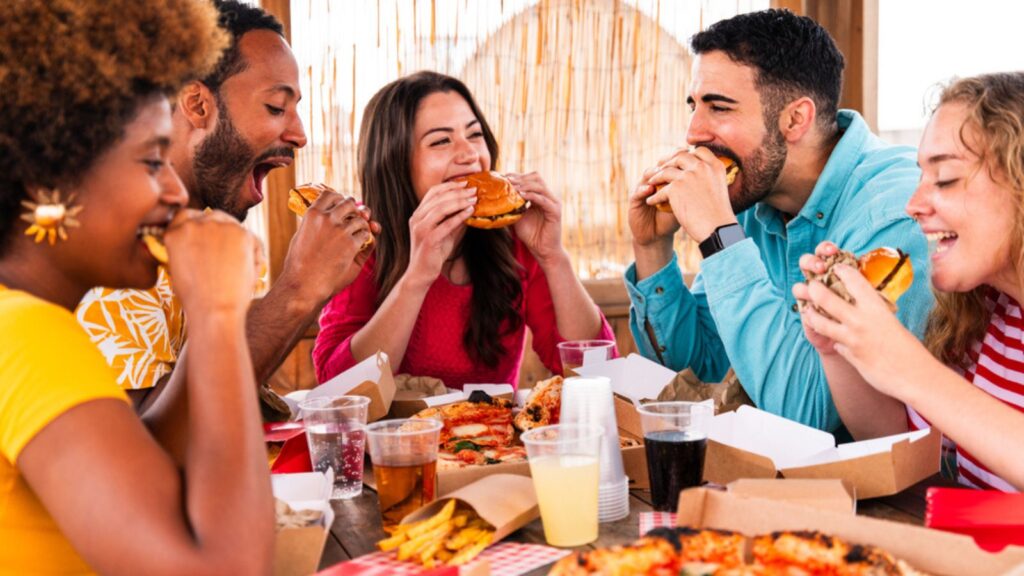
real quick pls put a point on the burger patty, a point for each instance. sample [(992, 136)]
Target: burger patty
[(521, 210)]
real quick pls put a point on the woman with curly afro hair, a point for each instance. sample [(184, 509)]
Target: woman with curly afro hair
[(84, 128)]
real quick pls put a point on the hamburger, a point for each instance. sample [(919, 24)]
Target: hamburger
[(498, 202), (888, 270), (731, 172), (302, 197)]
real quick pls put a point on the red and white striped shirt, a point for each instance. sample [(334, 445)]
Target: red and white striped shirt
[(997, 367)]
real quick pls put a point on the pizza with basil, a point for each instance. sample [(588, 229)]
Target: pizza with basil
[(483, 420)]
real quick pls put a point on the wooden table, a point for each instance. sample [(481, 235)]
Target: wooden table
[(357, 525)]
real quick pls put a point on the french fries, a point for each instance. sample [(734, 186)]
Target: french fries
[(451, 537)]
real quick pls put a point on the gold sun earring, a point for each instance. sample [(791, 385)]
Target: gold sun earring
[(49, 215)]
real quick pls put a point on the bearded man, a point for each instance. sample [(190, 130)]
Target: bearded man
[(231, 129), (764, 93)]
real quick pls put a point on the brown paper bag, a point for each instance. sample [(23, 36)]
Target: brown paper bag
[(409, 387), (728, 394), (516, 507)]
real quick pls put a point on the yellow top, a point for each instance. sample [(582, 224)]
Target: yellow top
[(139, 332), (47, 367)]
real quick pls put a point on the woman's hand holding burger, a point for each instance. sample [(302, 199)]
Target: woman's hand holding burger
[(214, 262), (435, 228), (864, 332), (540, 229)]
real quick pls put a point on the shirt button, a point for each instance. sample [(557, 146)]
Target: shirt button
[(661, 348), (659, 290), (639, 298), (794, 307), (820, 215)]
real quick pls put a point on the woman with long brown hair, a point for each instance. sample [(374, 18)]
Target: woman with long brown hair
[(968, 378), (85, 125), (443, 299)]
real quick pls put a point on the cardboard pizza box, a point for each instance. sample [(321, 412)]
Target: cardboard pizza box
[(931, 551), (408, 401), (835, 495), (751, 443), (371, 378), (297, 551)]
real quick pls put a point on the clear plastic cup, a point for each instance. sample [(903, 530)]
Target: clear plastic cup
[(675, 440), (589, 401), (404, 456), (564, 461), (576, 353), (336, 433)]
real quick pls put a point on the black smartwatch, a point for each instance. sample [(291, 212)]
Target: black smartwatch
[(721, 238)]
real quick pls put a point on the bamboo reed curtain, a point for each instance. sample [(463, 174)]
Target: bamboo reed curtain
[(587, 93)]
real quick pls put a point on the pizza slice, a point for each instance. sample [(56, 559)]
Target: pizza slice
[(543, 405), (482, 420), (815, 553)]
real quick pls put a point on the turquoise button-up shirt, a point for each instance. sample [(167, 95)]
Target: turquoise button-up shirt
[(740, 310)]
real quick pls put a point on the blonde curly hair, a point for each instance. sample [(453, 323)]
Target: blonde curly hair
[(995, 112), (73, 74)]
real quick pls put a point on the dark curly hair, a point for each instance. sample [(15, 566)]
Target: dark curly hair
[(793, 55), (73, 74), (236, 19), (385, 162)]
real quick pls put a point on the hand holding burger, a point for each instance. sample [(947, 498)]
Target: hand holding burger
[(302, 197), (498, 203), (888, 270), (731, 172)]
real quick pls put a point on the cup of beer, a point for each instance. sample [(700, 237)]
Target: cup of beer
[(675, 439), (564, 462), (576, 353), (336, 432), (404, 456)]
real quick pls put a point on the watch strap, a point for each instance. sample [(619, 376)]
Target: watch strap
[(723, 237)]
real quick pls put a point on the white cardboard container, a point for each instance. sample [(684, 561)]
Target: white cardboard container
[(297, 551), (751, 443)]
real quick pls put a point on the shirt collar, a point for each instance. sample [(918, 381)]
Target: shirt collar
[(820, 205)]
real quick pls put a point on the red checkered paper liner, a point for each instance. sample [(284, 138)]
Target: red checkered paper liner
[(506, 559), (649, 520)]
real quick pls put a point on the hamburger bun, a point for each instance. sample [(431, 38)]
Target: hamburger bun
[(156, 248), (302, 197), (888, 270), (731, 172), (498, 202)]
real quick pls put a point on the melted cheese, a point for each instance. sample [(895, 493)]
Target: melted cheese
[(469, 430)]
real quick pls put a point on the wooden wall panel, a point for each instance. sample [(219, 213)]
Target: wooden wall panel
[(281, 223), (853, 25)]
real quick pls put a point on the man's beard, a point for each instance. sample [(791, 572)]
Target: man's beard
[(760, 172), (222, 164)]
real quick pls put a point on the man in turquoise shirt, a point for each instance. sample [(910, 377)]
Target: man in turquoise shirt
[(764, 93)]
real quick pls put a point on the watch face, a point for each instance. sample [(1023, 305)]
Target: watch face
[(730, 235)]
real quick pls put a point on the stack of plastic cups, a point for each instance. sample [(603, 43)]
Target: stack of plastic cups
[(589, 401)]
